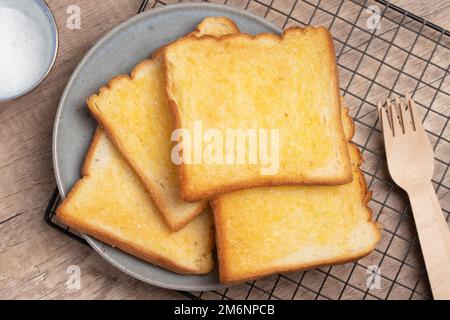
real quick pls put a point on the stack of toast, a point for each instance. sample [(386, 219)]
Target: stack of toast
[(310, 209)]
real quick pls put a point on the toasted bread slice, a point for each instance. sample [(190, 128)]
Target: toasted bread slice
[(136, 117), (111, 204), (215, 26), (263, 231), (287, 83)]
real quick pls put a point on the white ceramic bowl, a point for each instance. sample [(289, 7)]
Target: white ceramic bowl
[(42, 17)]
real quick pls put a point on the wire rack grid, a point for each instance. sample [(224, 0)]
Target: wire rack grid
[(382, 51)]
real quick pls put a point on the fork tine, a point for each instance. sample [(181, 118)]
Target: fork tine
[(408, 121), (416, 119), (387, 132), (402, 114), (383, 118), (396, 128)]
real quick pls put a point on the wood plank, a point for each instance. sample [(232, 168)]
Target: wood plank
[(34, 262), (26, 124), (33, 257), (434, 11)]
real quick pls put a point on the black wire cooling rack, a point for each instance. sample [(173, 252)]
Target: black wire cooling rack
[(382, 51)]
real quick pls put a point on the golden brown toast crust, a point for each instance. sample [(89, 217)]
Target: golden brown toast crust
[(192, 196), (366, 196), (110, 238), (202, 27), (115, 137)]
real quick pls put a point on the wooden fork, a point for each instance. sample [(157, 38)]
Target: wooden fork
[(410, 159)]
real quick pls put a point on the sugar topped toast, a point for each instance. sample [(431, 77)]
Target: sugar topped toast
[(111, 201), (287, 83), (111, 204), (135, 114), (263, 231)]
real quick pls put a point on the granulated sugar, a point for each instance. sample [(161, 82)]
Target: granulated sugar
[(23, 52)]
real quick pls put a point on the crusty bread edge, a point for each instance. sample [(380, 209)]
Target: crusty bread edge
[(192, 196), (366, 196), (109, 238), (256, 183), (113, 136), (198, 33), (220, 236), (198, 30), (175, 225)]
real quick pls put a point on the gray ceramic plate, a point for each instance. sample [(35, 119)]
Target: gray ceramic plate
[(117, 53)]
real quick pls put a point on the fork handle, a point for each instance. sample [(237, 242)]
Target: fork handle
[(434, 237)]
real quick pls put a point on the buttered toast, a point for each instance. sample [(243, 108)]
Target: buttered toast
[(135, 114), (263, 231), (111, 204), (286, 84)]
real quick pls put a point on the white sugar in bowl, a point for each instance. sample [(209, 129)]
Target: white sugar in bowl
[(28, 46)]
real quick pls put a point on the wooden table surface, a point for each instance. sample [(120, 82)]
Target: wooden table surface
[(33, 257)]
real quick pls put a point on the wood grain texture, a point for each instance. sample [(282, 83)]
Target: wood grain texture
[(34, 258), (434, 11)]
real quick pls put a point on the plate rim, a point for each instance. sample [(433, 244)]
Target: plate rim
[(106, 37)]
